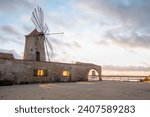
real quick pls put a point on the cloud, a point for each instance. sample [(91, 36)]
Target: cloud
[(54, 55), (125, 22), (9, 33), (133, 42), (76, 44), (62, 43), (56, 20), (3, 39), (8, 40), (59, 42), (9, 29), (11, 5), (28, 28), (102, 42), (129, 40), (129, 68), (125, 10)]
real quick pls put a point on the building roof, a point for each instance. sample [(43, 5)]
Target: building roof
[(34, 33)]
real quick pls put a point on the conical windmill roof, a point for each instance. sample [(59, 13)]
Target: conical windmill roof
[(34, 33)]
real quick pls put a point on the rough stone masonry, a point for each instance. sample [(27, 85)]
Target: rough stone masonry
[(13, 71)]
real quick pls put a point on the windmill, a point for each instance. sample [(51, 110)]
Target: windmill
[(38, 20)]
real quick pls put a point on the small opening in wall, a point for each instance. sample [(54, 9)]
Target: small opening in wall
[(37, 56), (40, 72), (66, 73)]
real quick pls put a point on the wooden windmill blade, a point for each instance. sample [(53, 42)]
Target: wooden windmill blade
[(38, 19), (42, 17), (49, 44), (46, 29), (46, 48), (34, 20), (54, 33)]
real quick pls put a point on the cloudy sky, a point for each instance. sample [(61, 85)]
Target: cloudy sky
[(111, 33)]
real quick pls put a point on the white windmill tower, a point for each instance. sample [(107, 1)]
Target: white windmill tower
[(37, 45)]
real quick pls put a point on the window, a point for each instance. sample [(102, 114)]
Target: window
[(66, 73), (40, 72), (37, 56)]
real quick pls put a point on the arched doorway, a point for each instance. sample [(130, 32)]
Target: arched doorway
[(93, 75)]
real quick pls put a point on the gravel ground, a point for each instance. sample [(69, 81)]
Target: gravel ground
[(100, 90)]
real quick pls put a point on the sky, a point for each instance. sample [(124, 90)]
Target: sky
[(112, 33)]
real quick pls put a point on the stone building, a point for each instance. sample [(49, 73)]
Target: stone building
[(34, 47), (34, 68), (6, 56)]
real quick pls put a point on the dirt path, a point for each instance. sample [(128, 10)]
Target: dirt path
[(77, 90)]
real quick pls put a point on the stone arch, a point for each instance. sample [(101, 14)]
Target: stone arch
[(94, 74)]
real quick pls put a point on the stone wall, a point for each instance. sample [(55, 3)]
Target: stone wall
[(6, 56), (20, 71)]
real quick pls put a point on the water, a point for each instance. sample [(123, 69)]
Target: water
[(132, 79)]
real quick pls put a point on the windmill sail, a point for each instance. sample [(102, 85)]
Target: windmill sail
[(49, 45), (38, 20)]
